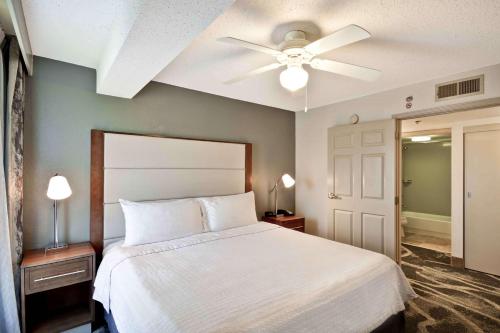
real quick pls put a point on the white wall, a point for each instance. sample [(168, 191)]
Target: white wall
[(311, 136)]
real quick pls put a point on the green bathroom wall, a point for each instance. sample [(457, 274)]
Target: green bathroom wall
[(428, 166)]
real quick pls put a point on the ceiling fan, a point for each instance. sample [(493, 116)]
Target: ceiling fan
[(296, 51)]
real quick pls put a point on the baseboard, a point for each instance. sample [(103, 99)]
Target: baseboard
[(427, 232), (457, 262)]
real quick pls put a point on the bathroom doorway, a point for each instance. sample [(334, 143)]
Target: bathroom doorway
[(424, 217), (426, 189)]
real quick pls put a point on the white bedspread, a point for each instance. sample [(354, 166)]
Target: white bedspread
[(255, 278)]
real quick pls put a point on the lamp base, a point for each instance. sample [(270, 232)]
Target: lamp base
[(56, 247)]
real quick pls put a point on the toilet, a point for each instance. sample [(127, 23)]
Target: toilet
[(404, 222)]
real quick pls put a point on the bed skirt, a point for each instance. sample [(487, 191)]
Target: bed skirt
[(110, 322), (393, 324)]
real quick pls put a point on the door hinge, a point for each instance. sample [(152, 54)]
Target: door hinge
[(396, 201)]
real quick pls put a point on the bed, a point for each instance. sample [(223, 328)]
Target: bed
[(254, 278)]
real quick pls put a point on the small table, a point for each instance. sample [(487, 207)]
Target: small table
[(56, 288), (291, 222)]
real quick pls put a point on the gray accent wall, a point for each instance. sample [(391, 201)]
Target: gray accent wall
[(62, 107), (428, 165)]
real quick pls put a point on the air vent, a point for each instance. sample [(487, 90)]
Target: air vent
[(447, 90), (460, 88)]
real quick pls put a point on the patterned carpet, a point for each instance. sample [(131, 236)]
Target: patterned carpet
[(450, 300)]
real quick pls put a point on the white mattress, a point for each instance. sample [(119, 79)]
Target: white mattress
[(250, 279)]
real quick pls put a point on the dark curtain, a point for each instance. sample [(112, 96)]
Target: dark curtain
[(13, 154), (11, 183)]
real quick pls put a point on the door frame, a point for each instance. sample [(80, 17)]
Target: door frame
[(398, 188), (442, 131), (399, 168)]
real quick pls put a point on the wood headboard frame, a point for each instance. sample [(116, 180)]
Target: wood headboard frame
[(97, 181)]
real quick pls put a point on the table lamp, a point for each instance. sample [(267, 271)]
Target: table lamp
[(288, 182), (58, 190)]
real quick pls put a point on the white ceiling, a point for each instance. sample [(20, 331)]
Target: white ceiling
[(69, 31), (413, 41)]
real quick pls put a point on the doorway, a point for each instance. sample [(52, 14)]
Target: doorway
[(426, 189), (451, 131)]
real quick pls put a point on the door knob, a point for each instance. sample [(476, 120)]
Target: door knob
[(332, 195)]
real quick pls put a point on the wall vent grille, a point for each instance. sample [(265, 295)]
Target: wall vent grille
[(460, 88)]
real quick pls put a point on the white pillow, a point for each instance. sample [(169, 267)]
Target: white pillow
[(149, 222), (229, 211)]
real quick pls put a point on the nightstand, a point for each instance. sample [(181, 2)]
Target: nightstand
[(291, 222), (56, 288)]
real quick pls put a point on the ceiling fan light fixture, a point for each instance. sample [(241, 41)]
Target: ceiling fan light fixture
[(294, 78)]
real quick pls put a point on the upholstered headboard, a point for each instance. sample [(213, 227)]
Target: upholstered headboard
[(142, 168)]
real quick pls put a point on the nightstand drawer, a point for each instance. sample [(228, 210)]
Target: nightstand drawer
[(59, 274), (293, 224)]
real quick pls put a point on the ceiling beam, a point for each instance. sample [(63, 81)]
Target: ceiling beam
[(148, 38), (14, 20)]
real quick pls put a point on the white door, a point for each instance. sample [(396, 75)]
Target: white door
[(361, 175), (482, 200)]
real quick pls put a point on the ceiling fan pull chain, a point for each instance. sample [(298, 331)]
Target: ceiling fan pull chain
[(307, 98)]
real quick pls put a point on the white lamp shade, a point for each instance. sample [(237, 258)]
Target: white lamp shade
[(294, 78), (288, 181), (58, 188)]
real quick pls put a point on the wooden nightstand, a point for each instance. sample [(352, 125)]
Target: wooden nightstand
[(56, 288), (291, 222)]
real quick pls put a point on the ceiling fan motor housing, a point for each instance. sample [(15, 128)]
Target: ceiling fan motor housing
[(293, 50), (294, 42)]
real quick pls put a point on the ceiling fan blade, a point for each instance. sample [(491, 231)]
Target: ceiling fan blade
[(357, 72), (251, 46), (256, 71), (348, 35)]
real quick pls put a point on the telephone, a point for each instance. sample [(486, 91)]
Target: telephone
[(285, 212), (281, 212)]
